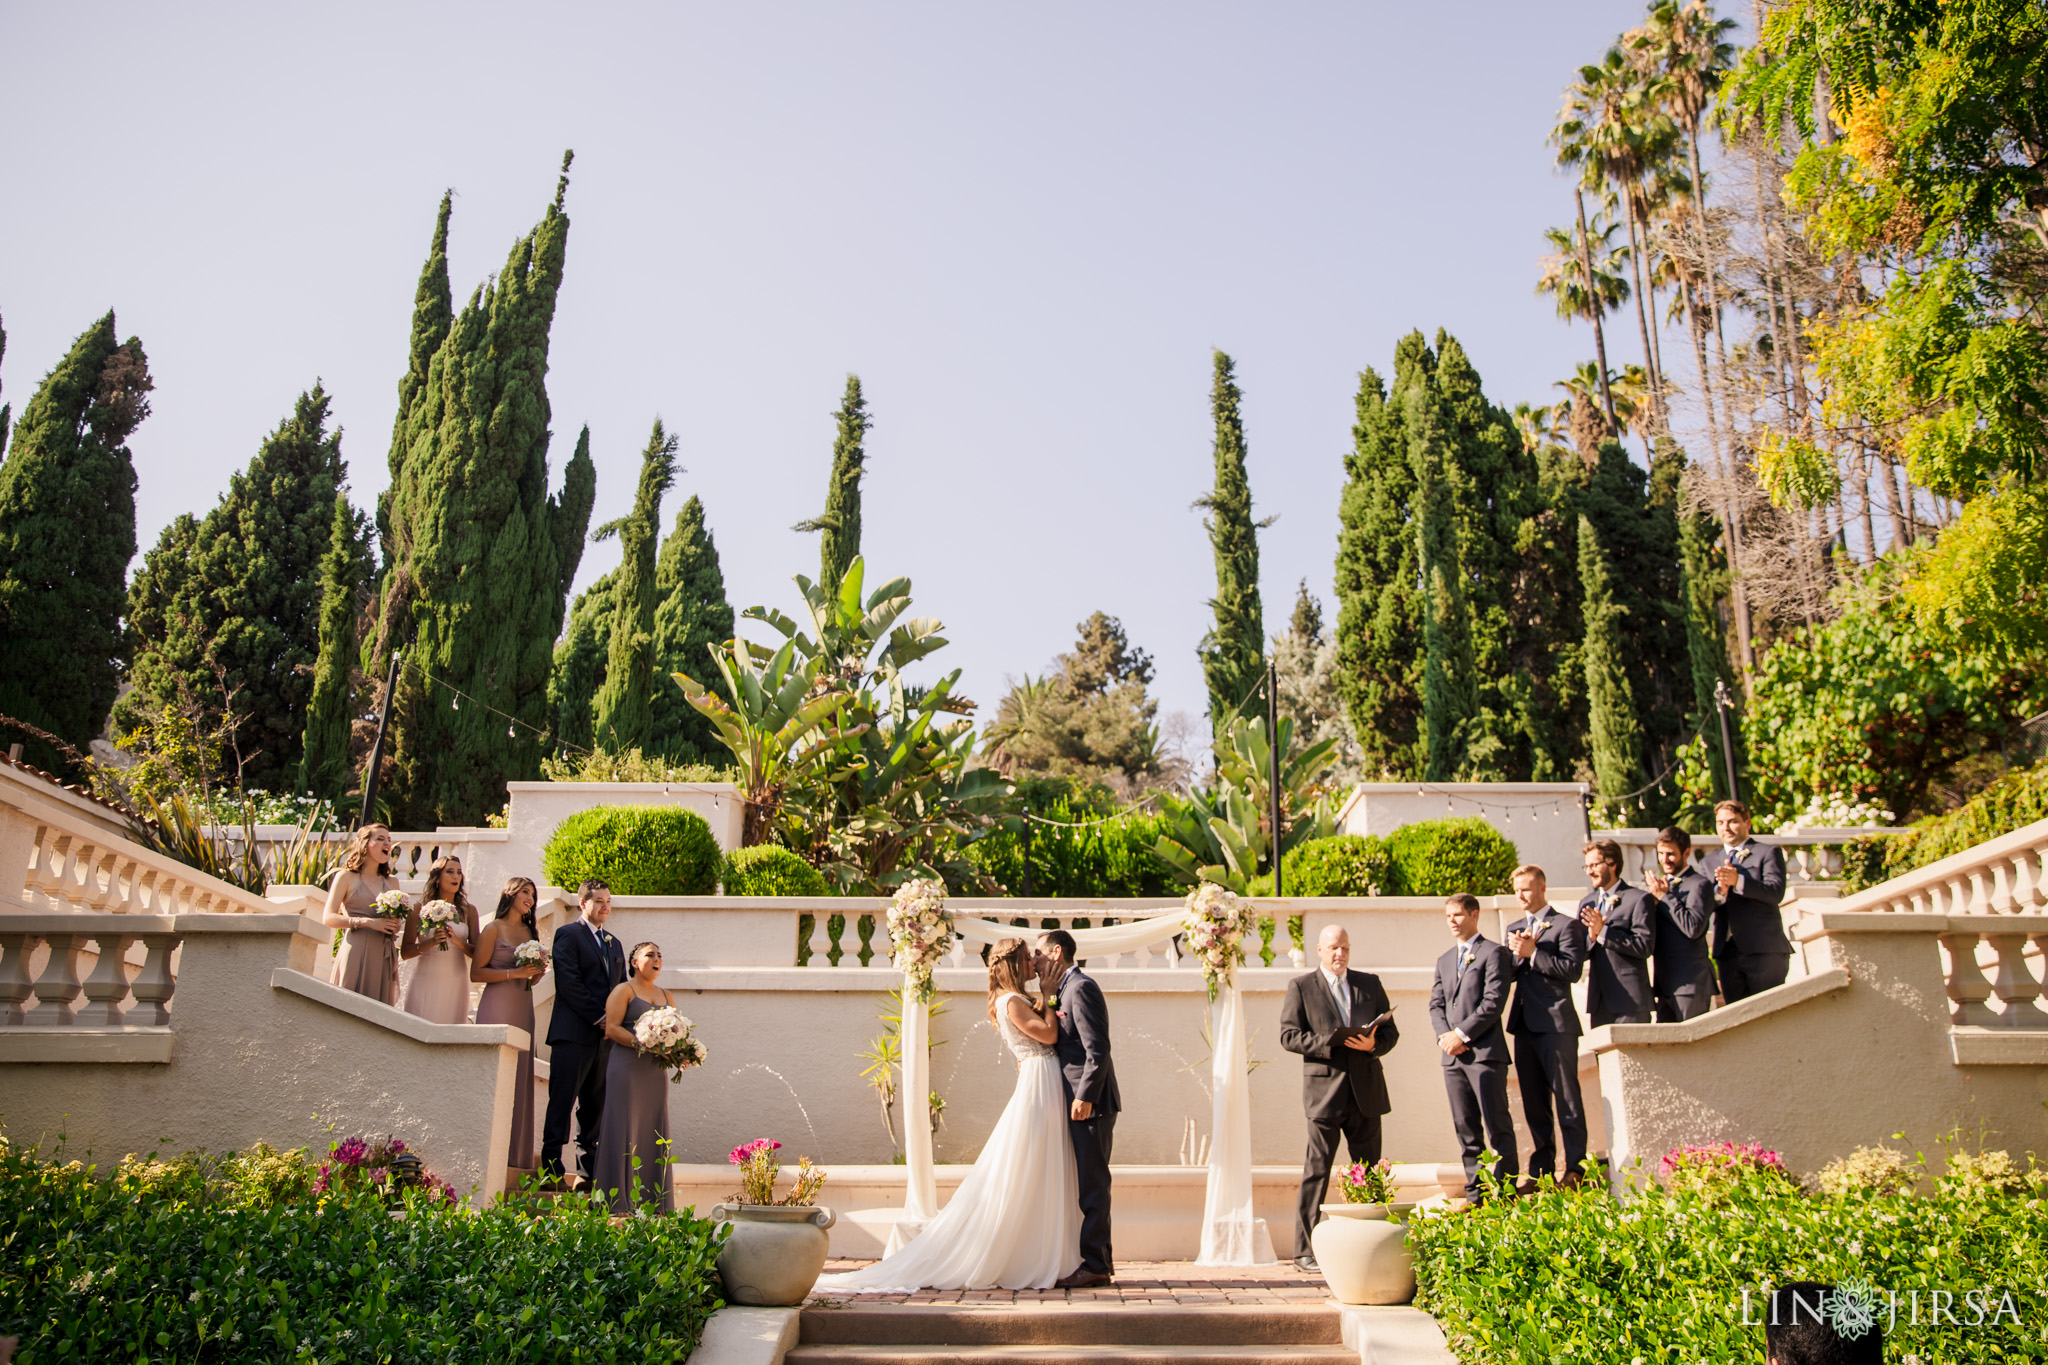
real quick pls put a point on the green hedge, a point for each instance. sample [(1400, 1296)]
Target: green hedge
[(1584, 1277), (1341, 865), (636, 850), (2018, 798), (1440, 857), (771, 870), (138, 1268), (1079, 858)]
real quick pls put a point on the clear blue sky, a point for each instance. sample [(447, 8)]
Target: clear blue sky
[(1024, 226)]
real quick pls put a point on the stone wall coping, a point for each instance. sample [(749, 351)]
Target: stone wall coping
[(1822, 923), (1998, 1046), (746, 1336), (395, 1020), (191, 922), (1608, 1037), (75, 1043), (1975, 859), (721, 788), (1411, 1172), (974, 981)]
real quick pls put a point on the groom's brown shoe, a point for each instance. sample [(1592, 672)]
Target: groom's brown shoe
[(1082, 1279)]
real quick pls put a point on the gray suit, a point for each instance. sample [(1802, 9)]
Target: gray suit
[(1470, 998), (1683, 968), (1083, 1049), (1342, 1089), (1545, 1025), (1618, 967)]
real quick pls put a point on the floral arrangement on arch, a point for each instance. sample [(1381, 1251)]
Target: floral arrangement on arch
[(920, 932), (759, 1167), (1217, 920)]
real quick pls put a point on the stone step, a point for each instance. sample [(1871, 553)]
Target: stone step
[(1075, 1354), (1040, 1326)]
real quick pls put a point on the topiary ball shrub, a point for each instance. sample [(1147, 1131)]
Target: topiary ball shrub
[(771, 870), (636, 850), (1341, 865), (1441, 857)]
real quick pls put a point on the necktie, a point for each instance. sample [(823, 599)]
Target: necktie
[(1340, 995), (1464, 957)]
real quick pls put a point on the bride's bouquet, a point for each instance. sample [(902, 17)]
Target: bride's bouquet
[(920, 931), (433, 915), (665, 1036), (528, 954), (1217, 920)]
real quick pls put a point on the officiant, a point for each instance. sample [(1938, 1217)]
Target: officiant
[(1332, 1018)]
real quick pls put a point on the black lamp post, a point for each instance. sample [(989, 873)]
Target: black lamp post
[(376, 763)]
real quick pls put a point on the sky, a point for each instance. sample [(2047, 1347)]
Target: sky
[(1024, 227)]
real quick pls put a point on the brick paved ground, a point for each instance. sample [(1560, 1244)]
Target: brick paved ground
[(1147, 1282)]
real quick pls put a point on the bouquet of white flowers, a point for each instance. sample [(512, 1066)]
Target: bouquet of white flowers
[(920, 931), (389, 904), (1217, 920), (433, 915), (665, 1035), (526, 955)]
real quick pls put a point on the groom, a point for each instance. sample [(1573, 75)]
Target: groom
[(1090, 1076)]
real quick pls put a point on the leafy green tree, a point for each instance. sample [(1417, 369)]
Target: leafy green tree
[(67, 532), (1704, 580), (579, 667), (839, 523), (228, 617), (1305, 666), (1088, 718), (324, 768), (1615, 740), (693, 619), (1233, 652), (623, 703), (484, 555)]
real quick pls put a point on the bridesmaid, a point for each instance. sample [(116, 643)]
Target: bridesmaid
[(635, 1121), (508, 999), (368, 964), (439, 990)]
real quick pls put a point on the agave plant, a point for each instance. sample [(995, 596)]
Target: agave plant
[(1224, 833), (773, 723)]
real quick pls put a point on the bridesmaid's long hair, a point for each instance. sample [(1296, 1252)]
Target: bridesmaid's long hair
[(357, 858), (433, 892), (1009, 967), (510, 895)]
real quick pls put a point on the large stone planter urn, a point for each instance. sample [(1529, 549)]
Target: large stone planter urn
[(774, 1254), (1363, 1251)]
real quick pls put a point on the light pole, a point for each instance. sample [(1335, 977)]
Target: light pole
[(376, 763), (1273, 767), (1722, 705)]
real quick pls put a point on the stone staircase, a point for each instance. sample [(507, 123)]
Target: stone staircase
[(1055, 1333)]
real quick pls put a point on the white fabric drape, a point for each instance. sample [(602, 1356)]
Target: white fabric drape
[(1230, 1235)]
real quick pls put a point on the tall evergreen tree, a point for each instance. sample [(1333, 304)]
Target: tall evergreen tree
[(839, 523), (232, 622), (579, 667), (1615, 739), (67, 532), (324, 765), (1379, 611), (1233, 652), (622, 705), (483, 556), (1448, 691), (1705, 580), (433, 311), (694, 615), (6, 409), (1306, 623)]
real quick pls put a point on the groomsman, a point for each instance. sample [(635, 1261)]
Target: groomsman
[(588, 962), (1343, 1089), (1683, 969), (1621, 926), (1550, 954), (1465, 1005), (1750, 947)]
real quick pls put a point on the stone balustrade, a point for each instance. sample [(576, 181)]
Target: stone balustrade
[(2002, 876), (117, 990), (75, 869), (1811, 855)]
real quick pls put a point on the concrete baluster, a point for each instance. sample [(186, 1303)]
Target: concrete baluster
[(1968, 988), (107, 987), (154, 985), (16, 986), (817, 943), (2013, 983), (2001, 888), (2027, 891), (103, 897), (42, 872), (57, 989)]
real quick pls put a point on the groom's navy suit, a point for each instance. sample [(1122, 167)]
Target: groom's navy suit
[(1083, 1049)]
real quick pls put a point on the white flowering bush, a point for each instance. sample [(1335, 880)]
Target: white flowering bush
[(920, 931), (1835, 811), (1217, 920)]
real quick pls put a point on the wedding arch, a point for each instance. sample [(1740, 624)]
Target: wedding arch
[(1231, 1234)]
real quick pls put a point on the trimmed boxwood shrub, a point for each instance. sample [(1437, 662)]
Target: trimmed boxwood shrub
[(1341, 865), (771, 870), (1440, 857), (636, 850)]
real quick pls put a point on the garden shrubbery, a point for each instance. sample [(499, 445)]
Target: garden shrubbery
[(1442, 857), (1076, 856), (1659, 1276), (771, 870), (2018, 798), (239, 1258), (636, 850), (1341, 865)]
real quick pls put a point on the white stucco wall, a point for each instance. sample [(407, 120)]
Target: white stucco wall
[(1543, 820)]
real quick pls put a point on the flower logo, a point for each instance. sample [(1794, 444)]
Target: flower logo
[(1852, 1309)]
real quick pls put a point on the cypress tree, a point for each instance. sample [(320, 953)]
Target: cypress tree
[(1448, 699), (67, 532), (1379, 612), (1615, 739), (246, 598), (579, 666), (839, 543), (622, 705), (693, 616), (324, 767), (1233, 652), (433, 310), (6, 409), (483, 555), (1704, 581)]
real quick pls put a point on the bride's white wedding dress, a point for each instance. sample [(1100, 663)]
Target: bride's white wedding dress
[(1015, 1221)]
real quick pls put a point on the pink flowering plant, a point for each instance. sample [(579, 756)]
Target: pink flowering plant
[(1364, 1183), (1719, 1167), (384, 1168), (759, 1168)]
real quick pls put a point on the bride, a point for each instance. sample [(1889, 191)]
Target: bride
[(1015, 1221)]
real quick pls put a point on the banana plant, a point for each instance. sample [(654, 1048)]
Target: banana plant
[(774, 724), (1223, 834)]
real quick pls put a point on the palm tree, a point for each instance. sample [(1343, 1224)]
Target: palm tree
[(1627, 390), (1542, 425), (1566, 273)]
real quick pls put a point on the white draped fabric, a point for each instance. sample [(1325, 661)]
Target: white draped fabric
[(1230, 1235)]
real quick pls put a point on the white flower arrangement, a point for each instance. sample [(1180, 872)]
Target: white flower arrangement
[(434, 914), (1836, 811), (390, 904), (529, 954), (1217, 919), (665, 1035), (920, 931)]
